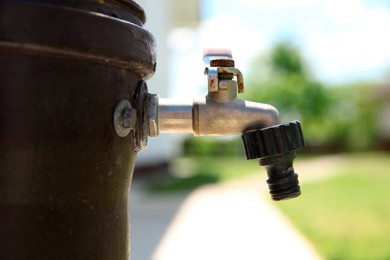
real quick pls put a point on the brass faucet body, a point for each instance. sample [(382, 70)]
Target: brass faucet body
[(219, 113)]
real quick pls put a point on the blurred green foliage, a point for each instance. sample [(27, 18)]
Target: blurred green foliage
[(210, 146), (188, 173), (333, 117)]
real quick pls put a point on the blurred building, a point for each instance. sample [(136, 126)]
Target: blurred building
[(162, 17), (384, 117)]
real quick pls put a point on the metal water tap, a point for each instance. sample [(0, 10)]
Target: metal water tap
[(221, 113)]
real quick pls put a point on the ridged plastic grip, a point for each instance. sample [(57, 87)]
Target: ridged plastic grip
[(273, 140)]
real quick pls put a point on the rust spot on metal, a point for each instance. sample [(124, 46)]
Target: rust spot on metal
[(195, 120), (212, 81), (240, 87), (222, 63)]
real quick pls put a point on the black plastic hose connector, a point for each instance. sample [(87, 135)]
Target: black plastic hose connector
[(275, 148)]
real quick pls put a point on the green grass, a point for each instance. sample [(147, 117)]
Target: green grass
[(345, 216), (348, 215)]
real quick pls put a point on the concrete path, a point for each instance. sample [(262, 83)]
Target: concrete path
[(234, 220), (150, 217), (231, 221)]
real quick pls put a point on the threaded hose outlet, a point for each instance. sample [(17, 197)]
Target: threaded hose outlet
[(282, 180), (275, 148)]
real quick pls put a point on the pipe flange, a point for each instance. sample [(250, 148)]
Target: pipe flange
[(140, 103)]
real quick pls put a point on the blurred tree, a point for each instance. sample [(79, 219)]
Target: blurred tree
[(285, 59), (331, 117)]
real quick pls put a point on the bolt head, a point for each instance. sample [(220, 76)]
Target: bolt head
[(124, 118)]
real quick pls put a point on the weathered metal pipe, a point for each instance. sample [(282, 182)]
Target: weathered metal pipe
[(174, 116), (206, 117), (64, 172)]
